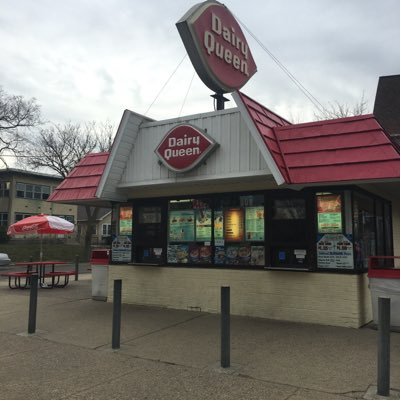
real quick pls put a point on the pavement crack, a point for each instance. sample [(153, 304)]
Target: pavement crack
[(165, 328)]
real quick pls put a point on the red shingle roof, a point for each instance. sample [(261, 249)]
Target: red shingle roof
[(345, 149), (265, 121), (82, 182)]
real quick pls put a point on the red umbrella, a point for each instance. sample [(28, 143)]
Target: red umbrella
[(41, 224)]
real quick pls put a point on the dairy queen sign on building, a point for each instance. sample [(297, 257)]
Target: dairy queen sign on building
[(287, 215)]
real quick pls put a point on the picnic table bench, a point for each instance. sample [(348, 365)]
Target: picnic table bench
[(22, 279)]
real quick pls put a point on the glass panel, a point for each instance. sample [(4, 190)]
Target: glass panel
[(364, 229), (289, 209)]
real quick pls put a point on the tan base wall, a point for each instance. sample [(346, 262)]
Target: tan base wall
[(323, 298)]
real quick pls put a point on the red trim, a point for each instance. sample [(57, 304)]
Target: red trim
[(380, 272), (384, 273)]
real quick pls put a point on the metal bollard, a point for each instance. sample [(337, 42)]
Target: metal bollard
[(115, 341), (383, 348), (225, 327), (33, 302), (76, 267)]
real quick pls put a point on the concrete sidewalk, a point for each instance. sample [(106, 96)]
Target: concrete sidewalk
[(170, 354)]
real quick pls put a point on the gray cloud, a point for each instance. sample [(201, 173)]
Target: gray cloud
[(89, 60)]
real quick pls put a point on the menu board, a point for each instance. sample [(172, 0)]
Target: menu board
[(329, 218), (218, 225), (234, 225), (255, 223), (335, 251), (125, 218), (181, 225), (203, 224)]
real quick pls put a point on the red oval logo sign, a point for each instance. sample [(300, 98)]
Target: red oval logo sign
[(184, 147), (217, 47)]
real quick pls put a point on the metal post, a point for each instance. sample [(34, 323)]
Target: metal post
[(115, 342), (33, 302), (383, 348), (220, 100), (76, 267), (225, 327)]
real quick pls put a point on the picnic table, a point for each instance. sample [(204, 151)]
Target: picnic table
[(48, 276)]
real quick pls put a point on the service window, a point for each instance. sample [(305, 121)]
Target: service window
[(189, 231), (289, 233), (365, 239), (121, 244), (334, 246), (239, 230), (149, 234)]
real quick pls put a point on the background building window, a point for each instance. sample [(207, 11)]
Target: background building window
[(4, 189), (4, 219), (67, 217), (106, 230), (30, 191), (20, 216)]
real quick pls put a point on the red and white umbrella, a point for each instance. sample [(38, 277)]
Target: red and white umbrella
[(41, 224)]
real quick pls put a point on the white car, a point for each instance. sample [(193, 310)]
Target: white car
[(4, 259)]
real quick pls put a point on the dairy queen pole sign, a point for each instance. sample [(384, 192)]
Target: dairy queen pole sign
[(217, 47), (184, 147)]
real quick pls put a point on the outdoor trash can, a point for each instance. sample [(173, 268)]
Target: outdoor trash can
[(100, 271), (385, 282)]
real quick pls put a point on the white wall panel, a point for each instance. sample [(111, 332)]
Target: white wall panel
[(237, 152)]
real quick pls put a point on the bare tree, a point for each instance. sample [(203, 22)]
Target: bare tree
[(339, 110), (60, 147), (17, 115)]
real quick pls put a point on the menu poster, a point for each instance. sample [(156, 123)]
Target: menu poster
[(121, 249), (234, 225), (205, 254), (218, 225), (232, 254), (329, 218), (238, 254), (329, 203), (255, 223), (177, 254), (257, 256), (181, 225), (194, 253), (219, 255), (329, 222), (203, 224), (335, 251), (125, 218)]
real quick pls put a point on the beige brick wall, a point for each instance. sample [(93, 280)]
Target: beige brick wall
[(331, 299)]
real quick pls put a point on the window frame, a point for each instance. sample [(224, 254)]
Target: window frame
[(308, 242)]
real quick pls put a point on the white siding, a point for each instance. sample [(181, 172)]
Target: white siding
[(237, 155), (122, 149)]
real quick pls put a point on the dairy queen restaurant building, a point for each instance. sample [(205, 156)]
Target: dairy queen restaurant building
[(286, 215)]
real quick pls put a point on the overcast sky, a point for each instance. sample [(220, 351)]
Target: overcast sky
[(87, 60)]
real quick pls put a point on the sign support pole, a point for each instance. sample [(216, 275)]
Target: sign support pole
[(220, 100)]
